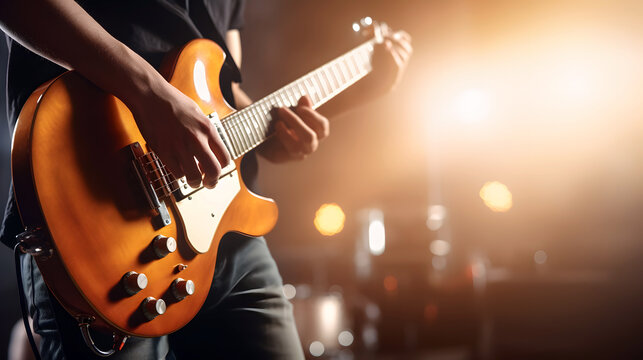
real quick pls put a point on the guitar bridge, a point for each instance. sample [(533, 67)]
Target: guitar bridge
[(157, 183)]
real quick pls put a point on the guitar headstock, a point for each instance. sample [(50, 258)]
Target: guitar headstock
[(372, 29)]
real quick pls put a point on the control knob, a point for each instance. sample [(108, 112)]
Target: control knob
[(163, 245), (182, 288), (134, 282), (153, 307)]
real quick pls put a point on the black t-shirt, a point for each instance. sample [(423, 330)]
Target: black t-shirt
[(151, 28)]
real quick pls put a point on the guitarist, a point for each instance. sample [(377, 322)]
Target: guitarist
[(117, 45)]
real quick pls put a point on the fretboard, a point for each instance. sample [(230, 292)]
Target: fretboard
[(249, 127)]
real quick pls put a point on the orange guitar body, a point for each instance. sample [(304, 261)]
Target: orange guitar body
[(73, 179)]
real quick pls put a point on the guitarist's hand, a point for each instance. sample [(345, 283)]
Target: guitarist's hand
[(390, 60), (297, 132), (176, 129)]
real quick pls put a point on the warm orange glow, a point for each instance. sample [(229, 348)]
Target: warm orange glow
[(496, 196), (329, 219), (390, 283), (472, 105)]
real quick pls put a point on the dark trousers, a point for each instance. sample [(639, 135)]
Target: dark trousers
[(245, 316)]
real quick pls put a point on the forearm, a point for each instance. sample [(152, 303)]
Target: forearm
[(60, 30), (241, 99)]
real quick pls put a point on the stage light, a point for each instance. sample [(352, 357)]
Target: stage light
[(376, 233), (329, 317), (390, 283), (369, 335), (472, 105), (496, 196), (540, 257), (368, 20), (440, 247), (316, 349), (372, 311), (289, 291), (345, 338), (437, 214), (356, 27), (329, 219)]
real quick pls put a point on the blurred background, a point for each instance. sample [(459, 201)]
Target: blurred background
[(489, 208)]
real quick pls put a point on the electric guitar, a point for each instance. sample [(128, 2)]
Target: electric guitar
[(123, 245)]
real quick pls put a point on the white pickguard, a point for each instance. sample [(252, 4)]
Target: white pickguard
[(203, 209)]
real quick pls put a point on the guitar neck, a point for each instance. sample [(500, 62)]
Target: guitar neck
[(249, 127)]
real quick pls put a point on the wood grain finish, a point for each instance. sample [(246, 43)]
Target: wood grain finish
[(73, 176)]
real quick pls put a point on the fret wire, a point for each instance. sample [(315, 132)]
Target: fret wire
[(349, 68), (344, 69), (338, 75), (228, 143), (284, 97), (246, 129), (318, 84), (233, 119), (264, 118), (267, 106), (317, 89), (355, 64), (329, 89), (364, 57), (236, 135), (242, 139), (341, 75), (257, 123), (311, 92), (302, 89), (281, 101), (231, 136), (266, 111), (291, 95), (277, 100), (252, 125), (331, 80), (335, 81), (323, 83), (295, 92)]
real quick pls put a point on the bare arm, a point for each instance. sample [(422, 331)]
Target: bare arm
[(172, 123)]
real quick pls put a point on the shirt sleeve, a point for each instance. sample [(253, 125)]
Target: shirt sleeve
[(236, 15)]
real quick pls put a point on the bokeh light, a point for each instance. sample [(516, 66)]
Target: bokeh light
[(496, 196), (390, 283), (345, 338), (289, 291), (540, 257), (316, 349), (329, 219), (440, 247)]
